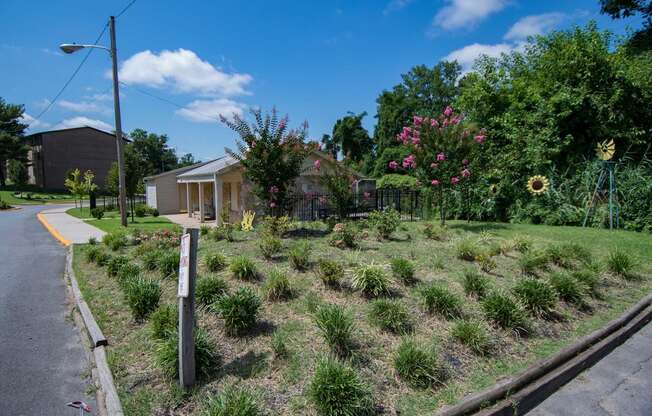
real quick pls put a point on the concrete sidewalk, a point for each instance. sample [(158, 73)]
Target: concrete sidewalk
[(66, 228), (620, 384)]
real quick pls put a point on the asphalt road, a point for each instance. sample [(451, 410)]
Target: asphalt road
[(43, 364)]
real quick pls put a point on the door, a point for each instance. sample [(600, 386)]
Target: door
[(150, 191)]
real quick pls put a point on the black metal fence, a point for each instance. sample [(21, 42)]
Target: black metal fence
[(110, 203)]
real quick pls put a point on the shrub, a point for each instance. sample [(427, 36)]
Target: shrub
[(239, 310), (344, 235), (243, 268), (270, 246), (209, 289), (337, 326), (438, 299), (97, 213), (620, 263), (299, 255), (474, 283), (531, 261), (204, 230), (371, 280), (115, 241), (559, 255), (417, 366), (92, 241), (215, 262), (164, 321), (140, 210), (436, 232), (577, 251), (206, 357), (385, 222), (126, 272), (277, 286), (521, 243), (114, 265), (276, 226), (154, 212), (279, 345), (233, 402), (473, 334), (486, 263), (102, 258), (500, 308), (142, 296), (403, 270), (336, 390), (390, 315), (590, 279), (92, 253), (567, 287), (330, 272), (537, 296), (150, 259), (467, 249), (168, 263)]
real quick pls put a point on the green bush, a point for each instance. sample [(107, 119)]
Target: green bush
[(371, 280), (102, 258), (150, 259), (621, 263), (385, 222), (500, 308), (209, 289), (436, 232), (336, 390), (337, 326), (97, 213), (590, 279), (475, 283), (279, 345), (164, 321), (344, 235), (243, 268), (206, 357), (485, 262), (115, 241), (277, 286), (473, 334), (142, 296), (126, 272), (238, 310), (114, 265), (521, 243), (269, 246), (91, 253), (467, 249), (154, 212), (140, 210), (92, 241), (537, 296), (440, 300), (276, 226), (215, 262), (204, 230), (403, 270), (299, 255), (391, 315), (397, 181), (330, 272), (168, 263), (417, 366), (560, 255), (568, 288), (233, 401), (533, 260)]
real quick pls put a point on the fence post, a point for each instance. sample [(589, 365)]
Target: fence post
[(186, 294)]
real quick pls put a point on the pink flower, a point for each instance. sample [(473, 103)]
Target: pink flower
[(448, 111), (417, 120), (273, 189), (272, 204), (409, 162), (317, 164), (441, 157), (466, 173), (416, 140), (367, 194), (281, 125), (465, 162), (435, 182), (434, 123), (480, 138), (322, 199), (466, 133), (455, 180), (434, 165), (393, 165)]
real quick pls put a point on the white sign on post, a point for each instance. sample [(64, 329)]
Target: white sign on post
[(184, 264)]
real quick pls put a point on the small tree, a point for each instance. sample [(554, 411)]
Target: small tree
[(17, 172), (339, 184), (80, 186), (73, 184), (271, 155)]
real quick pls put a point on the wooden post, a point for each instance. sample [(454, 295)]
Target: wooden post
[(186, 294)]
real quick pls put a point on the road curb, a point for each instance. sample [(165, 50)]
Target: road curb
[(99, 342), (52, 231), (519, 394)]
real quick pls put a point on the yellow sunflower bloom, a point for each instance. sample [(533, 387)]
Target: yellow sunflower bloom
[(538, 185)]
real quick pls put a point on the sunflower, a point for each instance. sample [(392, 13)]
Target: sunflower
[(538, 185), (606, 150)]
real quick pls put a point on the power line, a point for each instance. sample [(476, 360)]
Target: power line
[(125, 9)]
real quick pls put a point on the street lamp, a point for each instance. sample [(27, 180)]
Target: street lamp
[(72, 48)]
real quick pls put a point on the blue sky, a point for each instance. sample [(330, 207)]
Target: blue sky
[(312, 60)]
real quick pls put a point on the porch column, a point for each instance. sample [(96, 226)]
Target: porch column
[(234, 196), (188, 199), (201, 201), (217, 191)]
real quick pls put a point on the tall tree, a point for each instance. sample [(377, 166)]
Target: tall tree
[(134, 173), (329, 145), (352, 138), (154, 151), (620, 9), (12, 130), (186, 160)]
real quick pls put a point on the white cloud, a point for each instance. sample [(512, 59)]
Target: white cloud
[(81, 121), (396, 5), (208, 111), (460, 13), (183, 70), (468, 54), (33, 123), (534, 25), (102, 97), (83, 107)]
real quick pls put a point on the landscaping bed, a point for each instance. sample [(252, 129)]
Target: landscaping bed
[(400, 341), (110, 221)]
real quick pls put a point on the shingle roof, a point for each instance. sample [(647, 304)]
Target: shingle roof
[(177, 170), (210, 168)]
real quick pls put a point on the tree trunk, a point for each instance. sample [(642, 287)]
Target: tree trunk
[(3, 166), (442, 206)]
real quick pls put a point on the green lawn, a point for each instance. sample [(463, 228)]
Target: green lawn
[(111, 221), (34, 197), (281, 384)]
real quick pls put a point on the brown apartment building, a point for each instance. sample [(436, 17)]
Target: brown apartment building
[(55, 153)]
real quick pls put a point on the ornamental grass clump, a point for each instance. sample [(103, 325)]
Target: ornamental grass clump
[(538, 296), (150, 260), (103, 258), (590, 279), (114, 265), (209, 289), (403, 270), (532, 261), (486, 263), (142, 296), (238, 310), (126, 272), (344, 235), (164, 321), (506, 312), (621, 264), (215, 262), (559, 255), (442, 301), (473, 334), (467, 249), (436, 232), (391, 315), (521, 243), (475, 283), (166, 355), (279, 345), (270, 246), (115, 241), (243, 268), (337, 390), (568, 288), (299, 255), (168, 263), (91, 253), (336, 326), (418, 366), (371, 280), (277, 286), (233, 401), (330, 272)]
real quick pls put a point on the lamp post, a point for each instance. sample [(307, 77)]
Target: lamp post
[(73, 47)]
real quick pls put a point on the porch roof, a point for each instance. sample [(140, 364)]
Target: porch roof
[(207, 171)]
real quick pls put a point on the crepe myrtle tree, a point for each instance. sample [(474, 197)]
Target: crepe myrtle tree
[(439, 152), (272, 155)]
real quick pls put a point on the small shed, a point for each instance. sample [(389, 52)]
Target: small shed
[(162, 193)]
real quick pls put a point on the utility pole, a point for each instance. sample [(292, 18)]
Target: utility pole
[(118, 125)]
